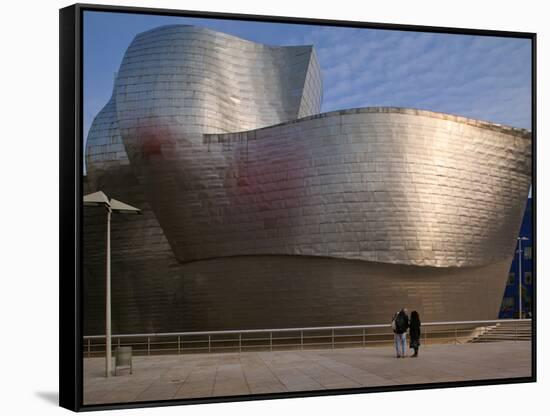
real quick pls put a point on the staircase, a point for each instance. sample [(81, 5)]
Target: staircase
[(505, 331)]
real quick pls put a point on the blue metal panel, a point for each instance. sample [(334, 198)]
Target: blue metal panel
[(510, 301)]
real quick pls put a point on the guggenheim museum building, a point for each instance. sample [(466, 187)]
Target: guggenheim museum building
[(261, 212)]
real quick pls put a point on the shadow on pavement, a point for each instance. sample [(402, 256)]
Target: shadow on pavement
[(51, 397)]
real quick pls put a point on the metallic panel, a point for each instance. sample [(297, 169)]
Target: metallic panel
[(378, 184), (259, 212)]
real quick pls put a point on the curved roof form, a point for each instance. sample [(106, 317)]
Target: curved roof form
[(226, 140)]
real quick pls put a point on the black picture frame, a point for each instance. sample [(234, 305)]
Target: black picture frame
[(71, 192)]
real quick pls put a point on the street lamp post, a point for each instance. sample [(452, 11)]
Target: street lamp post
[(99, 199), (520, 239)]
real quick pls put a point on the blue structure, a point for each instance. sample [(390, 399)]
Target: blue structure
[(510, 301)]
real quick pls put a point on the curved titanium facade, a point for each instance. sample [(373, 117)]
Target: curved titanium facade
[(279, 216), (385, 185)]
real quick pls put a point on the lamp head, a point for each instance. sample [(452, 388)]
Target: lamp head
[(96, 199), (122, 208)]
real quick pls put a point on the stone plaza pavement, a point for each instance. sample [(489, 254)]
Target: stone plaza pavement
[(224, 374)]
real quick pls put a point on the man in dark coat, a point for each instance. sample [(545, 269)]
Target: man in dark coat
[(400, 324)]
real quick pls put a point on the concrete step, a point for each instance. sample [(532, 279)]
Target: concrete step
[(513, 331)]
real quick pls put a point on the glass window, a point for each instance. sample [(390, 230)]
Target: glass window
[(528, 278), (511, 278), (508, 302), (528, 253)]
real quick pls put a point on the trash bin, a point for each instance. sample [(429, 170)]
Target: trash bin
[(123, 358)]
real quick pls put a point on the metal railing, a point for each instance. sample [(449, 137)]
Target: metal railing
[(308, 338)]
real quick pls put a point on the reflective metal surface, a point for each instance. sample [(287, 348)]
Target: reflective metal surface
[(385, 185), (220, 142)]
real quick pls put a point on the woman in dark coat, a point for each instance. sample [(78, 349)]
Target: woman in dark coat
[(414, 332)]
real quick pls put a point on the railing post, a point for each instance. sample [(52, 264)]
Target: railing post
[(270, 341), (118, 343), (240, 342), (179, 346), (301, 340), (426, 336), (363, 337), (148, 345), (456, 335), (89, 348), (332, 338), (209, 344)]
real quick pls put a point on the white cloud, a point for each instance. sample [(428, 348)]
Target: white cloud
[(479, 77)]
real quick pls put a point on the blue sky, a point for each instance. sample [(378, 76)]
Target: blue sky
[(487, 78)]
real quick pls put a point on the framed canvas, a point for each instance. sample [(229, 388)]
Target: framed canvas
[(257, 207)]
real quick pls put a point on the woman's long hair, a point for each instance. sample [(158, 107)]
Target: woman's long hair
[(415, 318)]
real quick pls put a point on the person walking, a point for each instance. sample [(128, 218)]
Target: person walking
[(400, 324), (414, 332)]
